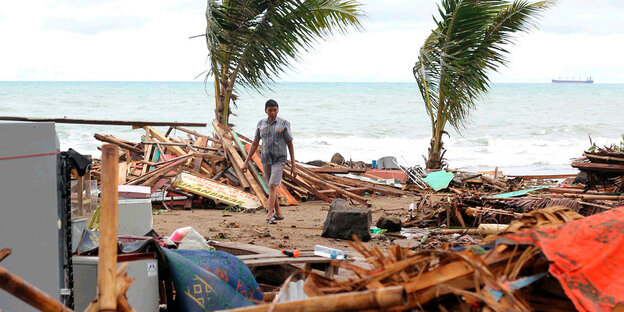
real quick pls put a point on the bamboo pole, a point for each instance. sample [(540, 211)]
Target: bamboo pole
[(19, 288), (107, 265), (381, 299)]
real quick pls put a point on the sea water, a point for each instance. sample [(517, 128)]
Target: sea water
[(520, 128)]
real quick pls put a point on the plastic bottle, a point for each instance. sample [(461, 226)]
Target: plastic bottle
[(328, 252)]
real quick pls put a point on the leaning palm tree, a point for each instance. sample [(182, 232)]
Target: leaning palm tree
[(253, 41), (453, 65)]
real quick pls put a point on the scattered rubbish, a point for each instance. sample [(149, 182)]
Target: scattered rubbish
[(291, 253), (389, 223), (376, 230), (439, 180), (520, 192), (329, 252)]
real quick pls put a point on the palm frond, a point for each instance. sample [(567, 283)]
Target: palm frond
[(468, 43), (256, 40)]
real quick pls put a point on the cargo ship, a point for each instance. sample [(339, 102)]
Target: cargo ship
[(588, 80)]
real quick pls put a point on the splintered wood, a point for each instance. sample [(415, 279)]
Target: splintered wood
[(161, 161), (505, 278)]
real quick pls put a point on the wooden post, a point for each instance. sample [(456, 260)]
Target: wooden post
[(107, 266)]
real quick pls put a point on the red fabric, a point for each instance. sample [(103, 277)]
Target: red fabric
[(587, 256)]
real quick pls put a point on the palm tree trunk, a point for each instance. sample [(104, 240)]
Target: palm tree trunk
[(222, 101), (436, 150)]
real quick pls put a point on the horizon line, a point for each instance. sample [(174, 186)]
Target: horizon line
[(192, 81)]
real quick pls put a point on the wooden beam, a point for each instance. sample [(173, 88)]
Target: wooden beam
[(252, 165), (104, 122), (113, 140), (162, 170), (281, 190), (237, 163), (338, 189), (160, 137), (197, 134), (385, 190), (310, 189), (107, 263), (598, 167)]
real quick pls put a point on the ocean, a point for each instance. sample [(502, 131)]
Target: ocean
[(520, 128)]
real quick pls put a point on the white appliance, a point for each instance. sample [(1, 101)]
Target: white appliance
[(143, 293)]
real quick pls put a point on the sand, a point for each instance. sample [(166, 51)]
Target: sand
[(301, 228)]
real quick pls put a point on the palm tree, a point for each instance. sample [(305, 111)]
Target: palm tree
[(253, 41), (453, 65)]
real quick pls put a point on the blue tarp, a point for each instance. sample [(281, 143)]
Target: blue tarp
[(211, 280), (520, 192)]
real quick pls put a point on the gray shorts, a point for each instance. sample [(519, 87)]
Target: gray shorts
[(273, 173)]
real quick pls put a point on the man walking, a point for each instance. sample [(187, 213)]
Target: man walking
[(275, 135)]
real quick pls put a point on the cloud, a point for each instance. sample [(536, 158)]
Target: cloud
[(148, 40), (96, 25), (598, 17), (78, 3)]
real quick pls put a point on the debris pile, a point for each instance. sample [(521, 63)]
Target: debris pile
[(198, 169), (603, 168), (481, 198), (530, 267)]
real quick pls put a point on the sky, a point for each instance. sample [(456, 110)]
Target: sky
[(141, 40)]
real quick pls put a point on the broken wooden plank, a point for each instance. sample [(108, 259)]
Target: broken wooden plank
[(162, 170), (290, 200), (176, 150), (303, 172), (252, 165), (310, 189), (113, 140), (212, 189), (195, 133), (237, 163)]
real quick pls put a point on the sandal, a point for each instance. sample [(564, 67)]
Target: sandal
[(276, 217), (271, 220)]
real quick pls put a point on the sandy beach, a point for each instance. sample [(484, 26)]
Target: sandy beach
[(301, 228)]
